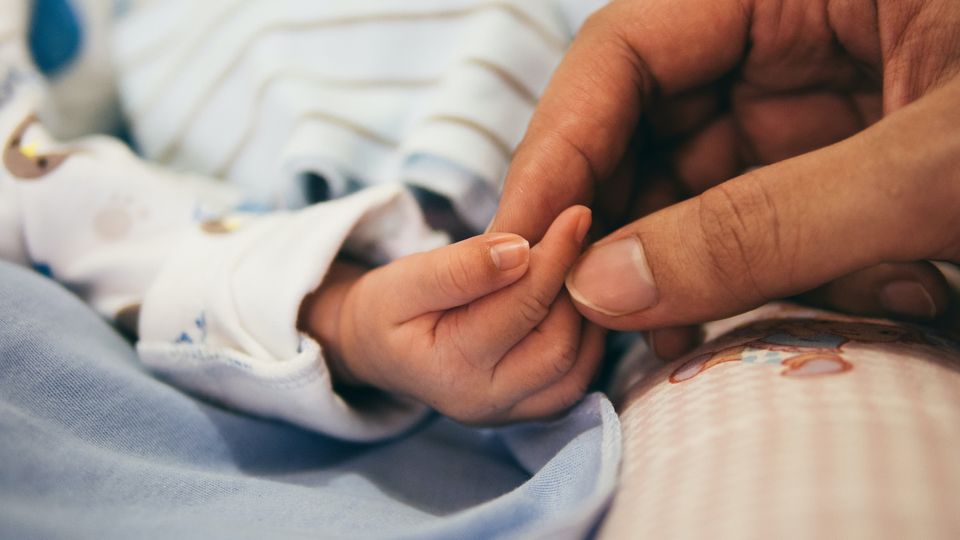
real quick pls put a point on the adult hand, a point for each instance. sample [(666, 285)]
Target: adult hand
[(715, 88)]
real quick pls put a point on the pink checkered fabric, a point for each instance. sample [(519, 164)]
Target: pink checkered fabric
[(769, 449)]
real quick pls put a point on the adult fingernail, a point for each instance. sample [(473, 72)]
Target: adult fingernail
[(908, 298), (614, 279), (583, 227), (510, 253), (673, 342)]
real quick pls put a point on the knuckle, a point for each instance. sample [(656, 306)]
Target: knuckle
[(534, 308), (455, 347), (578, 164), (564, 357), (742, 237), (454, 277), (611, 28), (454, 340)]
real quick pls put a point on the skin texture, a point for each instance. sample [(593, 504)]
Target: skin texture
[(477, 342), (844, 112)]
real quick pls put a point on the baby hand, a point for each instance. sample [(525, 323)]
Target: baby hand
[(480, 330)]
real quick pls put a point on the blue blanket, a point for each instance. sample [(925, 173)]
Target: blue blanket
[(93, 446)]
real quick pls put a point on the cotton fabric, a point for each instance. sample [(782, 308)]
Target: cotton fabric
[(93, 446)]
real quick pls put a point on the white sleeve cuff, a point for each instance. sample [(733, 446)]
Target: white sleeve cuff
[(220, 319)]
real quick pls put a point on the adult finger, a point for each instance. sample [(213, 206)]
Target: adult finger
[(884, 195), (950, 322), (916, 291), (625, 55), (673, 342)]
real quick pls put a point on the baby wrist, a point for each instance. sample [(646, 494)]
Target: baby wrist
[(322, 318)]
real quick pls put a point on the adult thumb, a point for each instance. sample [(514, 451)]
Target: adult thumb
[(884, 195)]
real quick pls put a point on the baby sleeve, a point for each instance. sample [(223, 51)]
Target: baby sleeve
[(217, 287), (220, 318)]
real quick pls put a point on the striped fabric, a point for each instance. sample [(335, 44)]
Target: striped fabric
[(752, 450), (263, 92)]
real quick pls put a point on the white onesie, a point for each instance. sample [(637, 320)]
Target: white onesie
[(263, 94)]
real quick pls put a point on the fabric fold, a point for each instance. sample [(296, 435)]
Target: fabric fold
[(228, 330)]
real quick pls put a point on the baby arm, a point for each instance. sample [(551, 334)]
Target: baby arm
[(211, 290), (480, 330)]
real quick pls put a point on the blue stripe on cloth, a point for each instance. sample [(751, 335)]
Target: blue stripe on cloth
[(56, 35)]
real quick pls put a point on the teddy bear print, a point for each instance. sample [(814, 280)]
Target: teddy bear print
[(222, 225), (23, 158), (802, 347), (116, 219)]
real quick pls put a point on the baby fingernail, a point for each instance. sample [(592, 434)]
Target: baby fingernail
[(908, 298), (614, 279), (510, 254)]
